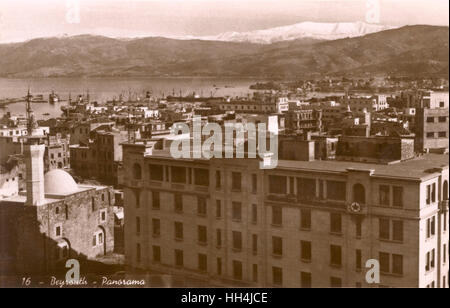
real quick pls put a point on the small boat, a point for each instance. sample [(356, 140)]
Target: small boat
[(46, 114), (53, 98)]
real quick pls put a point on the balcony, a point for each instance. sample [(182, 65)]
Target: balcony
[(282, 198), (201, 188), (295, 199), (177, 186)]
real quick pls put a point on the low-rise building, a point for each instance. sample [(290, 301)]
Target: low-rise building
[(55, 219)]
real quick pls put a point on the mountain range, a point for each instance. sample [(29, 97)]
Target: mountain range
[(407, 51), (311, 30)]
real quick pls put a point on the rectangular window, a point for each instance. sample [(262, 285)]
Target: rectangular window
[(179, 230), (336, 190), (201, 177), (254, 183), (433, 258), (306, 189), (433, 226), (178, 175), (138, 225), (237, 240), (305, 251), (236, 181), (321, 190), (156, 225), (201, 206), (442, 134), (335, 223), (384, 262), (442, 119), (428, 194), (138, 253), (179, 258), (255, 244), (254, 214), (218, 208), (430, 135), (384, 229), (305, 219), (397, 264), (335, 255), (358, 259), (430, 120), (385, 195), (103, 216), (219, 266), (202, 262), (398, 230), (277, 185), (178, 199), (156, 172), (218, 179), (237, 211), (398, 196), (202, 234), (277, 215), (305, 280), (255, 272), (219, 237), (444, 253), (155, 200), (277, 275), (58, 231), (156, 254), (433, 192), (237, 270), (277, 246)]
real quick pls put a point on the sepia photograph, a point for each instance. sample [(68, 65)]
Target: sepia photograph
[(220, 152)]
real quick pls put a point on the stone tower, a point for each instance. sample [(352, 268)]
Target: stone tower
[(34, 160)]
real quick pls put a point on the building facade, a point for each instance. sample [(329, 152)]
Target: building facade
[(303, 224), (432, 133), (53, 220), (101, 157)]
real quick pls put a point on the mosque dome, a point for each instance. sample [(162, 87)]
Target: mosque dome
[(59, 182)]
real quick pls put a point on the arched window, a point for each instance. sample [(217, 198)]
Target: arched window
[(137, 172), (359, 194), (445, 190)]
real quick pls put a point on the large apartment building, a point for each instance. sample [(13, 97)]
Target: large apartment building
[(302, 224), (99, 158)]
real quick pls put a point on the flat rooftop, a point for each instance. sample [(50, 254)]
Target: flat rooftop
[(419, 168)]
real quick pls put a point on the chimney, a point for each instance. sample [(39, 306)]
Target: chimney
[(34, 160)]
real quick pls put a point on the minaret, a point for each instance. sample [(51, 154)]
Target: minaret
[(31, 123), (34, 160)]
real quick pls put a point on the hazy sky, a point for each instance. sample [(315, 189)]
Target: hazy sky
[(25, 19)]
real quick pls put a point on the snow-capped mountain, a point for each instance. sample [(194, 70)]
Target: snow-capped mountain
[(311, 30)]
